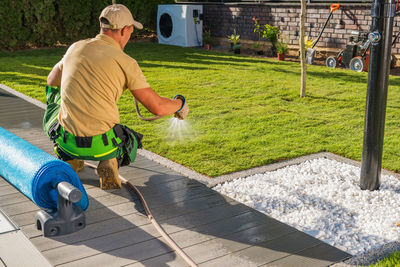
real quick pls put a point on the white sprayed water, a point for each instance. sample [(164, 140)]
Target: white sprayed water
[(178, 130)]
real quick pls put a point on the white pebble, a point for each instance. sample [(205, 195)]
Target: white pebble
[(322, 197)]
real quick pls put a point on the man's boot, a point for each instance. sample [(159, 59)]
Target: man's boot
[(108, 174), (76, 164)]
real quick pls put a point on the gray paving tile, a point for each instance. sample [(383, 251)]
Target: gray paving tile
[(168, 259), (319, 255), (213, 229)]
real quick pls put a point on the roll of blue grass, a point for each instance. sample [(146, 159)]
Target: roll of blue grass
[(34, 172)]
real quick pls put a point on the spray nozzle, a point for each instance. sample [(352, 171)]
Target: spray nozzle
[(184, 110)]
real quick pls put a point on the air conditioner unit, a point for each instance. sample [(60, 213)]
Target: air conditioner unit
[(180, 25)]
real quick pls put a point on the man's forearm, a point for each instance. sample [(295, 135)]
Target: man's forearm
[(160, 106)]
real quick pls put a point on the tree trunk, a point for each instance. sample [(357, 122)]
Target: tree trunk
[(302, 49)]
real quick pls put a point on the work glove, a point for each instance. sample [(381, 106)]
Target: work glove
[(184, 110)]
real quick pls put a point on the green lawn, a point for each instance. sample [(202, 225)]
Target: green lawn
[(244, 112), (392, 260)]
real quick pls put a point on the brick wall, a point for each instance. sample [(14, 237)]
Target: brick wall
[(222, 18)]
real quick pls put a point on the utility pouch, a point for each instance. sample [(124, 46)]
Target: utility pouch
[(131, 141), (83, 142), (53, 131)]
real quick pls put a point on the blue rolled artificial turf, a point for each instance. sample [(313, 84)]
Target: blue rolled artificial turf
[(34, 172)]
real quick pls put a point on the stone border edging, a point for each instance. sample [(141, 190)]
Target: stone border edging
[(21, 95)]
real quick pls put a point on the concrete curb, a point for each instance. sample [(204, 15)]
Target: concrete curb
[(370, 257), (21, 95)]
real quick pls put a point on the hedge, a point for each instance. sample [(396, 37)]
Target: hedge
[(29, 23)]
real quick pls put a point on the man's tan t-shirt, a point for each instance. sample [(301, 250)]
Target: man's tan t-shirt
[(95, 72)]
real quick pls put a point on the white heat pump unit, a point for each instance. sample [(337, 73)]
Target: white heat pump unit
[(180, 25)]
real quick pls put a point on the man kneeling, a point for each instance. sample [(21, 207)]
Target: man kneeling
[(83, 89)]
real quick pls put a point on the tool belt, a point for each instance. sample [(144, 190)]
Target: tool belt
[(119, 142)]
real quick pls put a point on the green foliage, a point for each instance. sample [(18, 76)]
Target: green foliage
[(234, 38), (282, 47), (257, 30), (392, 260), (78, 20), (13, 33), (46, 23), (206, 36), (271, 33), (39, 17)]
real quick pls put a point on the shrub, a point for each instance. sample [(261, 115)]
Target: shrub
[(271, 33), (13, 34), (50, 22)]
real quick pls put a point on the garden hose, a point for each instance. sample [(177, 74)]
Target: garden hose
[(156, 225), (140, 115), (196, 21)]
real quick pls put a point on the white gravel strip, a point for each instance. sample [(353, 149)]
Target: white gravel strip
[(322, 198)]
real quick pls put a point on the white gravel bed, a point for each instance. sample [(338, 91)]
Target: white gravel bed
[(322, 198)]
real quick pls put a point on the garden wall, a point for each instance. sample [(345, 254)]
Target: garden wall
[(222, 18)]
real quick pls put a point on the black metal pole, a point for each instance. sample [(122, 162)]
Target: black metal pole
[(382, 13)]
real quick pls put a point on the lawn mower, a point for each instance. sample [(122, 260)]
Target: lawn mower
[(356, 54)]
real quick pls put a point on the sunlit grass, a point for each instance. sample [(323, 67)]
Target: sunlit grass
[(244, 112), (393, 260)]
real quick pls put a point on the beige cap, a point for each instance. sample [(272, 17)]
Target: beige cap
[(119, 16)]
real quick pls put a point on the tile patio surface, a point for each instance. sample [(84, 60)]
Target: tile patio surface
[(212, 229)]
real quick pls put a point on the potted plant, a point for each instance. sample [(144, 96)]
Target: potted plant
[(236, 48), (281, 48), (234, 39), (271, 33), (207, 39), (257, 45)]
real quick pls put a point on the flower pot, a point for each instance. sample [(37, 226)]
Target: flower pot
[(207, 46), (260, 52), (236, 51), (235, 46), (281, 56)]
